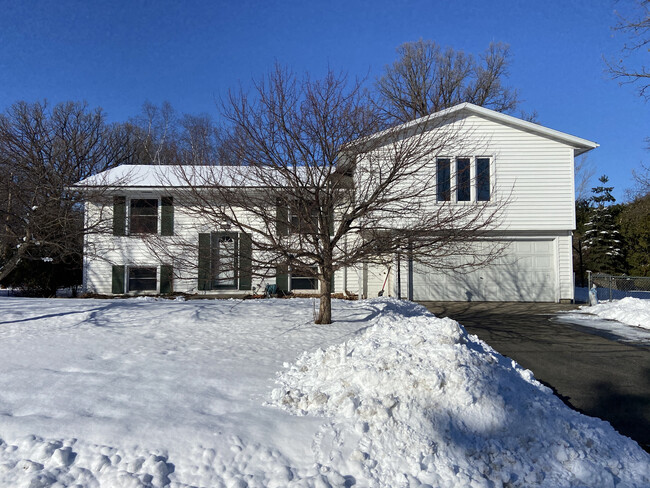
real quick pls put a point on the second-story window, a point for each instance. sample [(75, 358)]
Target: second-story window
[(483, 179), (463, 192), (443, 179), (143, 216)]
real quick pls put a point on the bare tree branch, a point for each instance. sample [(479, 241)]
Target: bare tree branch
[(43, 151), (321, 184), (636, 27), (425, 79)]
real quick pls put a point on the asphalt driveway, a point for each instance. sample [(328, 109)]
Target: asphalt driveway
[(593, 374)]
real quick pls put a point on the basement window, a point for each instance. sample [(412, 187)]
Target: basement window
[(300, 280), (142, 279)]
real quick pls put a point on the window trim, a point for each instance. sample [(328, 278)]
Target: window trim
[(292, 276), (473, 180), (491, 178), (127, 280), (129, 216), (444, 194)]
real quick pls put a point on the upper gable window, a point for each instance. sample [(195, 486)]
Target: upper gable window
[(143, 216), (483, 179), (443, 179), (463, 180)]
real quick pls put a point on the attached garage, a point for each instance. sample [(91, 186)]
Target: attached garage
[(527, 271)]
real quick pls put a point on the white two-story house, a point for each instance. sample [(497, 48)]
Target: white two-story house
[(502, 158)]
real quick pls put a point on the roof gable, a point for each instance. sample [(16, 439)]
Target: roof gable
[(579, 144)]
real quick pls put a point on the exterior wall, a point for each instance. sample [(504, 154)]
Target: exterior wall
[(103, 250), (531, 174), (534, 174), (565, 258)]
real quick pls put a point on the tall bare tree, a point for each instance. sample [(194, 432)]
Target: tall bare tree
[(321, 184), (426, 79), (165, 137), (44, 150), (636, 27)]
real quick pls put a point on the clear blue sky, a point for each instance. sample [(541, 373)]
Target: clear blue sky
[(119, 54)]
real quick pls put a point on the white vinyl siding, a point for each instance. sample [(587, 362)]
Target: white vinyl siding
[(103, 250), (565, 255), (534, 173), (531, 172)]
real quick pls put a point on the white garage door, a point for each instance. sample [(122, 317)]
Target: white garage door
[(525, 273)]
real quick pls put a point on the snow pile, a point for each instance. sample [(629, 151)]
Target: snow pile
[(36, 462), (153, 393), (415, 401), (135, 392), (629, 311)]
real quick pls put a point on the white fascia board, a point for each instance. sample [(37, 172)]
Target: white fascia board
[(579, 144)]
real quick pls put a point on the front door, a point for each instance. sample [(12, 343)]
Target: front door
[(224, 260)]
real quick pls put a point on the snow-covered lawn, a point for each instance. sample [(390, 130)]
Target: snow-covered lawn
[(628, 318), (122, 393)]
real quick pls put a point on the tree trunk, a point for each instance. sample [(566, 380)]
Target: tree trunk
[(10, 265), (325, 309)]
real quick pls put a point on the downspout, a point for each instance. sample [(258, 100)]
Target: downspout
[(399, 277), (410, 271)]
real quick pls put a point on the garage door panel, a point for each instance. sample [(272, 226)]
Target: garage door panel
[(525, 272)]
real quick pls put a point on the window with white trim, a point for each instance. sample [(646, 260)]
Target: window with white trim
[(483, 179), (142, 279), (143, 216), (443, 179), (464, 179), (303, 281)]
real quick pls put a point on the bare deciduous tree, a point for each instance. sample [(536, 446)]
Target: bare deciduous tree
[(636, 26), (584, 172), (321, 185), (426, 79), (164, 137), (43, 151), (641, 181)]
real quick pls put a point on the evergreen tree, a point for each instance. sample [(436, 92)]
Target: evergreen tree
[(635, 228), (602, 239), (583, 214)]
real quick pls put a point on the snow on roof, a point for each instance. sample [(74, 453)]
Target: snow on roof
[(174, 176)]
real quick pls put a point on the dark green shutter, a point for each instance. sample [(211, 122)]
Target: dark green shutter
[(166, 279), (204, 262), (281, 277), (167, 216), (245, 261), (118, 280), (119, 216), (281, 217)]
